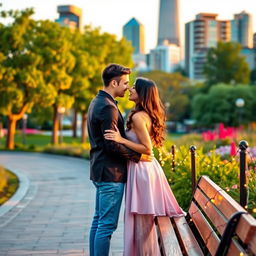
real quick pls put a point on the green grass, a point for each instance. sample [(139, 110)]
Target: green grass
[(42, 143), (39, 140), (8, 184)]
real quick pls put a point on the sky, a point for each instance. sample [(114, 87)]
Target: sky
[(111, 15)]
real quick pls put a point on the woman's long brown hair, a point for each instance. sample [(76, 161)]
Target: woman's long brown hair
[(150, 102)]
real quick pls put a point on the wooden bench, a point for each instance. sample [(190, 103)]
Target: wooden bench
[(207, 229)]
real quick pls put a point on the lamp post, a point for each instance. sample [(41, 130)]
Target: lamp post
[(24, 127), (61, 111), (240, 104)]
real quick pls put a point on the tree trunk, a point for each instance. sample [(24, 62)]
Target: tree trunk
[(12, 120), (55, 128), (84, 127), (1, 130), (11, 132), (74, 124)]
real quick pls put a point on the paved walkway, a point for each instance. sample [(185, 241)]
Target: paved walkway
[(54, 215)]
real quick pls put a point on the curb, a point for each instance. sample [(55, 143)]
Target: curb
[(18, 195)]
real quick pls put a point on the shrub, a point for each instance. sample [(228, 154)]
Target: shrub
[(8, 184), (223, 172)]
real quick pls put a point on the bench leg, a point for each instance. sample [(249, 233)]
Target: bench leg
[(146, 242)]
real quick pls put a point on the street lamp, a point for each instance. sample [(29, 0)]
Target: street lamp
[(24, 127), (240, 104), (61, 111)]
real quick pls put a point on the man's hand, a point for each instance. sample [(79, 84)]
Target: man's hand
[(146, 158)]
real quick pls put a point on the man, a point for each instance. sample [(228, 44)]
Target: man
[(108, 159)]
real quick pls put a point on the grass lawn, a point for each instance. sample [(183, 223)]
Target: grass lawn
[(39, 140), (42, 143), (8, 184)]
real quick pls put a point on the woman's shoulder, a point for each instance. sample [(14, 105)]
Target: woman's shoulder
[(140, 116)]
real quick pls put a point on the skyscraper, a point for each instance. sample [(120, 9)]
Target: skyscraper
[(133, 31), (70, 16), (201, 34), (165, 58), (241, 29), (168, 27)]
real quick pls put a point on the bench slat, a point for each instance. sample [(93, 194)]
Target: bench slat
[(211, 211), (187, 238), (217, 219), (234, 251), (246, 228), (208, 235), (169, 242), (252, 245)]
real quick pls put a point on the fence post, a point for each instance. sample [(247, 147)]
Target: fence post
[(193, 167), (243, 145), (173, 157)]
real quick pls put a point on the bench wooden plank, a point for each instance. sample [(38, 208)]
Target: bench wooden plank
[(211, 211), (246, 227), (215, 216), (186, 237), (168, 240), (252, 245), (208, 235), (235, 249)]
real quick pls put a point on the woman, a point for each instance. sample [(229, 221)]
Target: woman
[(148, 193)]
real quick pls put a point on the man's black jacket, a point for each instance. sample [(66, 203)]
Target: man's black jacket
[(108, 158)]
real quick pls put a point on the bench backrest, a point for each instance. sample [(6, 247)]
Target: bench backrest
[(210, 210)]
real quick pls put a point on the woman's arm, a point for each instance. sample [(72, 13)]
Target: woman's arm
[(140, 124)]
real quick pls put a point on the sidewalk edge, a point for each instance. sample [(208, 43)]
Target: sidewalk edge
[(18, 195)]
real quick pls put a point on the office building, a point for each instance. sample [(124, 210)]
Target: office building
[(134, 32), (241, 29), (254, 40), (70, 16), (165, 57), (168, 27), (201, 34)]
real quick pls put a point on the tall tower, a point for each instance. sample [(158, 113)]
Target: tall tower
[(168, 27), (241, 29), (201, 34), (70, 16), (133, 31)]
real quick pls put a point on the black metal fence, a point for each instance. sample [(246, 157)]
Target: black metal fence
[(243, 145)]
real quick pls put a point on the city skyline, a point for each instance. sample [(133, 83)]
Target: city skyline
[(113, 14), (169, 22)]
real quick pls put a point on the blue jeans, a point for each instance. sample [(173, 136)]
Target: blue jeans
[(107, 207)]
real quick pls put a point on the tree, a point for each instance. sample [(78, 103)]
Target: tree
[(102, 49), (21, 81), (54, 45), (224, 64), (172, 88), (253, 76), (219, 106)]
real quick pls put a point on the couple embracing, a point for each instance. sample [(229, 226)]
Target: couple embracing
[(122, 160)]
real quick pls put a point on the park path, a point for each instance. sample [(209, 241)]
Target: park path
[(54, 216)]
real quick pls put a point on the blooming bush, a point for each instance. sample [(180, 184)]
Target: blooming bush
[(225, 173)]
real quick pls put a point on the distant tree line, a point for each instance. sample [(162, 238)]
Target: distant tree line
[(212, 101), (45, 67)]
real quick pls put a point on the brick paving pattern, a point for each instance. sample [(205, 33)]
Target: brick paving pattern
[(55, 215)]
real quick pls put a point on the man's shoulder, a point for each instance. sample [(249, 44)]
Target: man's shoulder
[(100, 104), (104, 101)]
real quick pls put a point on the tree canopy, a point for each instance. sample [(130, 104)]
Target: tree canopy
[(219, 106), (48, 66), (225, 64)]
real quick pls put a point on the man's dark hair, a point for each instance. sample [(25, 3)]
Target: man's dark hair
[(113, 72)]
